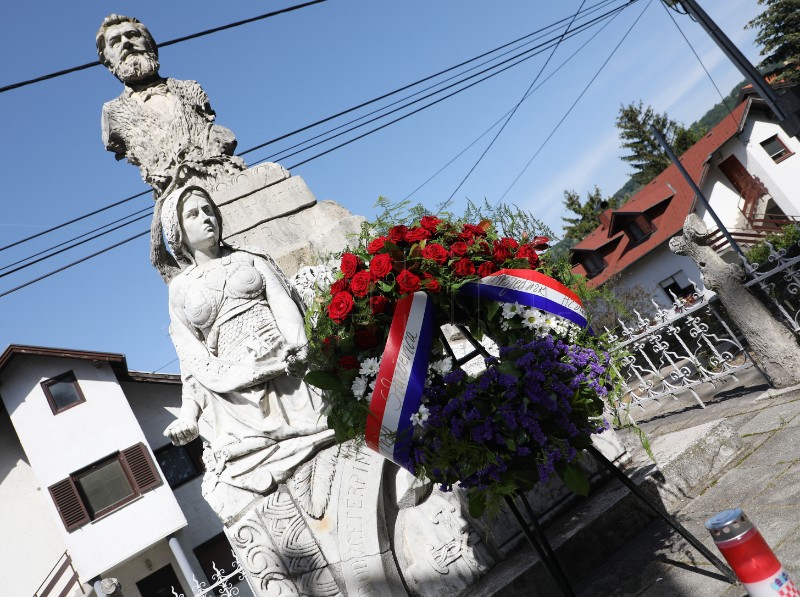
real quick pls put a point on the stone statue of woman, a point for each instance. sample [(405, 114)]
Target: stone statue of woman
[(237, 325)]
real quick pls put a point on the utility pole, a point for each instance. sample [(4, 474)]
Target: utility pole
[(786, 106)]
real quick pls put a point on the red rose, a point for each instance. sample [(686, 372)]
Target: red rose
[(340, 306), (417, 234), (378, 304), (361, 282), (365, 338), (407, 282), (435, 252), (473, 230), (397, 234), (464, 267), (500, 252), (348, 362), (540, 242), (486, 268), (528, 252), (339, 286), (350, 265), (380, 265), (458, 249), (431, 284), (376, 245), (508, 242), (430, 223)]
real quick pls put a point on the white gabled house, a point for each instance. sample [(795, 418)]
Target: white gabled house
[(89, 486), (749, 170)]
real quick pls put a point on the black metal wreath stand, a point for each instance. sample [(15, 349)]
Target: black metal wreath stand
[(534, 533)]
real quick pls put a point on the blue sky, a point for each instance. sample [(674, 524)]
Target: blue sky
[(273, 76)]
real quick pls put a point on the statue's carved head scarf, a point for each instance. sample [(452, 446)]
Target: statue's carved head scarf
[(171, 221)]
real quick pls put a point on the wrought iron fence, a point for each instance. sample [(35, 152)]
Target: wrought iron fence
[(677, 350), (223, 584), (778, 279)]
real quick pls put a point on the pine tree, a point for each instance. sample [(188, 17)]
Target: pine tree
[(647, 157), (588, 213), (779, 35)]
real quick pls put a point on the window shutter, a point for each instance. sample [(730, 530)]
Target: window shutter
[(69, 504), (141, 467)]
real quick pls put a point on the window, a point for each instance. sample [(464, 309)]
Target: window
[(104, 486), (639, 228), (593, 262), (677, 284), (776, 148), (62, 392), (180, 463)]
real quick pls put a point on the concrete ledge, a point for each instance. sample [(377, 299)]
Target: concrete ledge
[(612, 516)]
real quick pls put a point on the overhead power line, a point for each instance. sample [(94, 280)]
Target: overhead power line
[(430, 104), (588, 11), (81, 67), (514, 109), (582, 27), (499, 120), (575, 103), (553, 25), (696, 55)]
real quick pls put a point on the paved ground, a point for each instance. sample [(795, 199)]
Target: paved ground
[(763, 479)]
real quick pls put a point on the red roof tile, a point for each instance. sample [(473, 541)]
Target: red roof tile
[(667, 218)]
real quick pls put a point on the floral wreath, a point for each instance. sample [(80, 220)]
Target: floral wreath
[(379, 350)]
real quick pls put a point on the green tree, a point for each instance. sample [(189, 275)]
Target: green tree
[(587, 213), (779, 35), (647, 157)]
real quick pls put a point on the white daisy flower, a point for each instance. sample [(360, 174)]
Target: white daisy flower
[(419, 418), (370, 367), (359, 387), (511, 310), (443, 367), (532, 318)]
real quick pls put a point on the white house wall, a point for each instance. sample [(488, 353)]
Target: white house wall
[(156, 406), (782, 179), (31, 541), (59, 445), (658, 265)]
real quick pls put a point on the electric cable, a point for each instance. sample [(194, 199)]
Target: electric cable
[(499, 120), (457, 91), (513, 111), (606, 15), (589, 10), (72, 221), (67, 248), (81, 67), (74, 263), (575, 103), (691, 47), (521, 57)]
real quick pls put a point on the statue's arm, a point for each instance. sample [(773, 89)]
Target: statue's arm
[(193, 400), (111, 139)]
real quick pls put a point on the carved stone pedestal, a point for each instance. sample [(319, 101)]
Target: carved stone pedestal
[(266, 207)]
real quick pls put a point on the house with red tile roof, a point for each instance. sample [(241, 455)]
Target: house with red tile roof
[(749, 170)]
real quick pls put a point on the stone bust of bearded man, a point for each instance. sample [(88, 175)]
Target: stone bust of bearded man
[(164, 126)]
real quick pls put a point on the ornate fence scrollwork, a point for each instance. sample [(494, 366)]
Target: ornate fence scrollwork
[(778, 277), (677, 350), (223, 584)]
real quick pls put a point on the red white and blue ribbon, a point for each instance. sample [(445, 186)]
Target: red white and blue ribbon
[(404, 366), (531, 289), (401, 378)]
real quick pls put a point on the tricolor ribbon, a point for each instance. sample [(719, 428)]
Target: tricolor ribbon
[(532, 289), (404, 366), (401, 378)]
